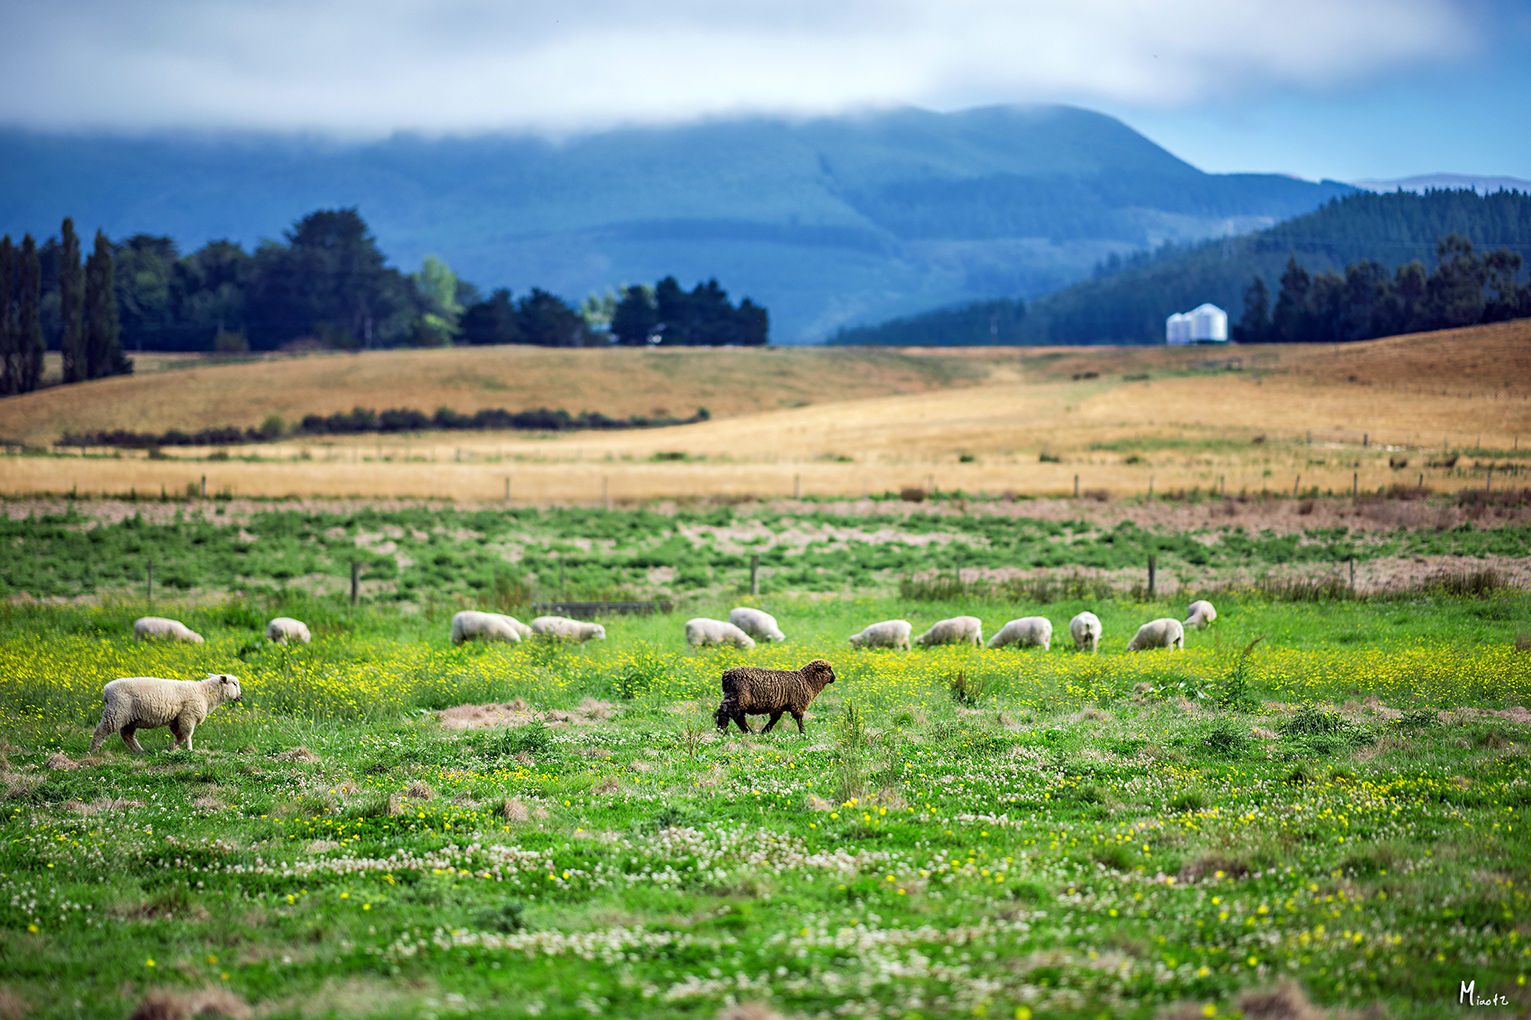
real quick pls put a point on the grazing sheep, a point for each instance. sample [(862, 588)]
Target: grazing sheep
[(887, 634), (1026, 632), (702, 631), (757, 623), (1162, 633), (147, 628), (284, 628), (751, 690), (146, 702), (563, 627), (959, 630), (471, 624), (1085, 629), (1201, 614)]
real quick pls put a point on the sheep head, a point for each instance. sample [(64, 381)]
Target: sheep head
[(228, 686), (819, 673)]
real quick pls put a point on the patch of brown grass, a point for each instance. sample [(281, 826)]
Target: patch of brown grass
[(12, 1005), (299, 755), (902, 423), (164, 1004)]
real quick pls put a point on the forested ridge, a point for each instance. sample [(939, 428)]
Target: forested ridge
[(1460, 256)]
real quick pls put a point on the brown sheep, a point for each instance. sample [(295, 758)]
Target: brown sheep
[(751, 690)]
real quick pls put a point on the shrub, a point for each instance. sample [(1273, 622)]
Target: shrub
[(965, 691), (1226, 738)]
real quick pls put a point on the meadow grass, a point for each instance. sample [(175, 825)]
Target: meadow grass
[(960, 832)]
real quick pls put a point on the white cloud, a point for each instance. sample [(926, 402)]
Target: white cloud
[(373, 66)]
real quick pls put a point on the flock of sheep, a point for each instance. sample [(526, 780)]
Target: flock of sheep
[(134, 703), (1033, 632)]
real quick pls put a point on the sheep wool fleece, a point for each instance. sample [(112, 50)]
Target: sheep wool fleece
[(753, 690), (147, 702)]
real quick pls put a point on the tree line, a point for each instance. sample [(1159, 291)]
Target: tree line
[(83, 301), (325, 284), (1128, 298), (361, 420), (1367, 301)]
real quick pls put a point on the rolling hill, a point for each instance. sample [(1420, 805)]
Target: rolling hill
[(827, 222), (1127, 301), (1435, 409)]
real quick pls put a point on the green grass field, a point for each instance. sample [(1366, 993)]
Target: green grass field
[(960, 832), (414, 553)]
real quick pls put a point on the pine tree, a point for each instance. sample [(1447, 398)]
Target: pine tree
[(1290, 320), (10, 362), (71, 298), (102, 348), (29, 337), (1255, 326)]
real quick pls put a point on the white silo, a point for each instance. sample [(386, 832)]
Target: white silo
[(1208, 325), (1177, 329)]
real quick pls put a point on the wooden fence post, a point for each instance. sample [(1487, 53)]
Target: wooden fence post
[(755, 574), (355, 581), (1151, 566), (1076, 486), (151, 584)]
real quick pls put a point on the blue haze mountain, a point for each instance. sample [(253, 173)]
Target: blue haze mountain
[(827, 222)]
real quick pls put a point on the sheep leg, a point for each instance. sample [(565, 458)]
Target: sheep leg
[(774, 717), (798, 716), (743, 723), (132, 741), (182, 728), (104, 730)]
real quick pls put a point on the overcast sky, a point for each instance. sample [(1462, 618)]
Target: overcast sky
[(1344, 89)]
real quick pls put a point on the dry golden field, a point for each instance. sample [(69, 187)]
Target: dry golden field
[(828, 422)]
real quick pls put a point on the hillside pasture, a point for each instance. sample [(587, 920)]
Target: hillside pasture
[(1333, 810), (1436, 411)]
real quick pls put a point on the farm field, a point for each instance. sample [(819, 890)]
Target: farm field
[(413, 552), (1335, 812), (1442, 411)]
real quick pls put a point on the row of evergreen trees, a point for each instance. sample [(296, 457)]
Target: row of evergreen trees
[(666, 314), (1465, 288), (86, 306), (326, 284)]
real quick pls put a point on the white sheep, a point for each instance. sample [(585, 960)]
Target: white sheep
[(887, 634), (757, 623), (1201, 613), (147, 628), (285, 628), (959, 630), (470, 624), (563, 627), (146, 702), (1027, 632), (1085, 629), (702, 631), (1166, 632)]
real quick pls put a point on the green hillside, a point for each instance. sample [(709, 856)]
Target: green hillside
[(1128, 299)]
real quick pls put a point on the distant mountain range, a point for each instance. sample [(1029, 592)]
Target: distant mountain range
[(827, 222)]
